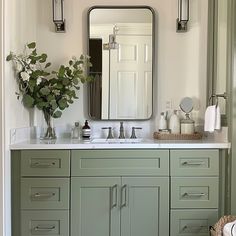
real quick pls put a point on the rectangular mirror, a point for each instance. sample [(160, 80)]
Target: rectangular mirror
[(121, 46)]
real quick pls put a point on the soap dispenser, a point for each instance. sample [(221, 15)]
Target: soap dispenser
[(174, 123), (86, 131), (162, 122)]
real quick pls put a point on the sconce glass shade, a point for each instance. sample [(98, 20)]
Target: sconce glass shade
[(183, 15), (58, 15)]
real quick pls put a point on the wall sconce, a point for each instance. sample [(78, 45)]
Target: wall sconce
[(112, 40), (58, 15), (183, 16)]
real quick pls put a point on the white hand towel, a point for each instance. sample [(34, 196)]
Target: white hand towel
[(210, 119), (217, 119), (230, 229)]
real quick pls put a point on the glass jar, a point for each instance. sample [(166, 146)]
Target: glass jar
[(187, 125), (75, 133)]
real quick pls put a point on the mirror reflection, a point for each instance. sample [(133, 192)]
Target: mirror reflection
[(121, 49)]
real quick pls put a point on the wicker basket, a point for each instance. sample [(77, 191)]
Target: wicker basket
[(217, 229), (166, 136)]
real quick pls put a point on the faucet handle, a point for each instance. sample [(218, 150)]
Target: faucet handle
[(110, 135), (133, 135)]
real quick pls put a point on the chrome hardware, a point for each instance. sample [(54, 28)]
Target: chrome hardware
[(216, 96), (194, 194), (44, 228), (124, 189), (41, 164), (110, 135), (192, 163), (114, 189), (133, 135), (122, 131), (43, 195), (195, 228)]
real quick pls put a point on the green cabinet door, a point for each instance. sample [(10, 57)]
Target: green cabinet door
[(95, 206), (145, 206)]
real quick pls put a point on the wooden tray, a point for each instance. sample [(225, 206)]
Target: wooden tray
[(163, 136)]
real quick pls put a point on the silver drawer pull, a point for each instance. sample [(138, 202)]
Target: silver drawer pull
[(114, 191), (41, 164), (124, 190), (189, 163), (194, 194), (44, 228), (43, 195), (195, 227)]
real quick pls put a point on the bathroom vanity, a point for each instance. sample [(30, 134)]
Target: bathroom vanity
[(153, 188)]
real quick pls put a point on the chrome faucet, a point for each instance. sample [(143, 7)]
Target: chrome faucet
[(133, 135), (110, 135), (122, 131)]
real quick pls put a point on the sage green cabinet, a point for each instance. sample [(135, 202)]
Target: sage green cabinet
[(194, 191), (192, 222), (121, 206), (94, 206), (41, 192), (46, 223), (144, 206), (45, 163), (45, 193), (118, 192), (148, 162)]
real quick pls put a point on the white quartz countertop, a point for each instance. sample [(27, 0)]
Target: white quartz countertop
[(146, 143)]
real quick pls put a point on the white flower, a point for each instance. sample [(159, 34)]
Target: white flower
[(18, 67), (28, 61), (39, 80), (33, 67), (25, 76)]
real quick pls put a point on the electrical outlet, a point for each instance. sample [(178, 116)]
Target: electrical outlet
[(13, 136), (168, 105)]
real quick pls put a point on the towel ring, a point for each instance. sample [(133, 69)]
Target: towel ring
[(217, 96)]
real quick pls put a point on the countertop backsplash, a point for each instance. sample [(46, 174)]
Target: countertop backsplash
[(64, 131)]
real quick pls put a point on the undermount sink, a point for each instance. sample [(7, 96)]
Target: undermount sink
[(128, 140)]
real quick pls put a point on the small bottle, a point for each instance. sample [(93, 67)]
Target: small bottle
[(162, 122), (187, 125), (174, 123), (86, 131), (75, 133)]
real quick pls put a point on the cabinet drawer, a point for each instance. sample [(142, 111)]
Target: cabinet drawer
[(192, 222), (54, 223), (45, 193), (194, 162), (119, 162), (194, 192), (45, 163)]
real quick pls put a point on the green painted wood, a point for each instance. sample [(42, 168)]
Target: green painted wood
[(45, 223), (145, 206), (192, 192), (192, 222), (194, 162), (92, 213), (45, 193), (119, 162), (45, 163), (15, 193)]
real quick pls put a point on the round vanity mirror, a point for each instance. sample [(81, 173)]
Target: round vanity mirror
[(186, 104)]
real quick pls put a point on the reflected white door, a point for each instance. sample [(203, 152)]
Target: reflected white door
[(131, 78)]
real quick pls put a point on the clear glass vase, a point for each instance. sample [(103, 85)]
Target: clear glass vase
[(49, 129)]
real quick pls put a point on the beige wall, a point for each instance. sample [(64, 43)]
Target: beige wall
[(180, 58), (1, 125), (19, 27)]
